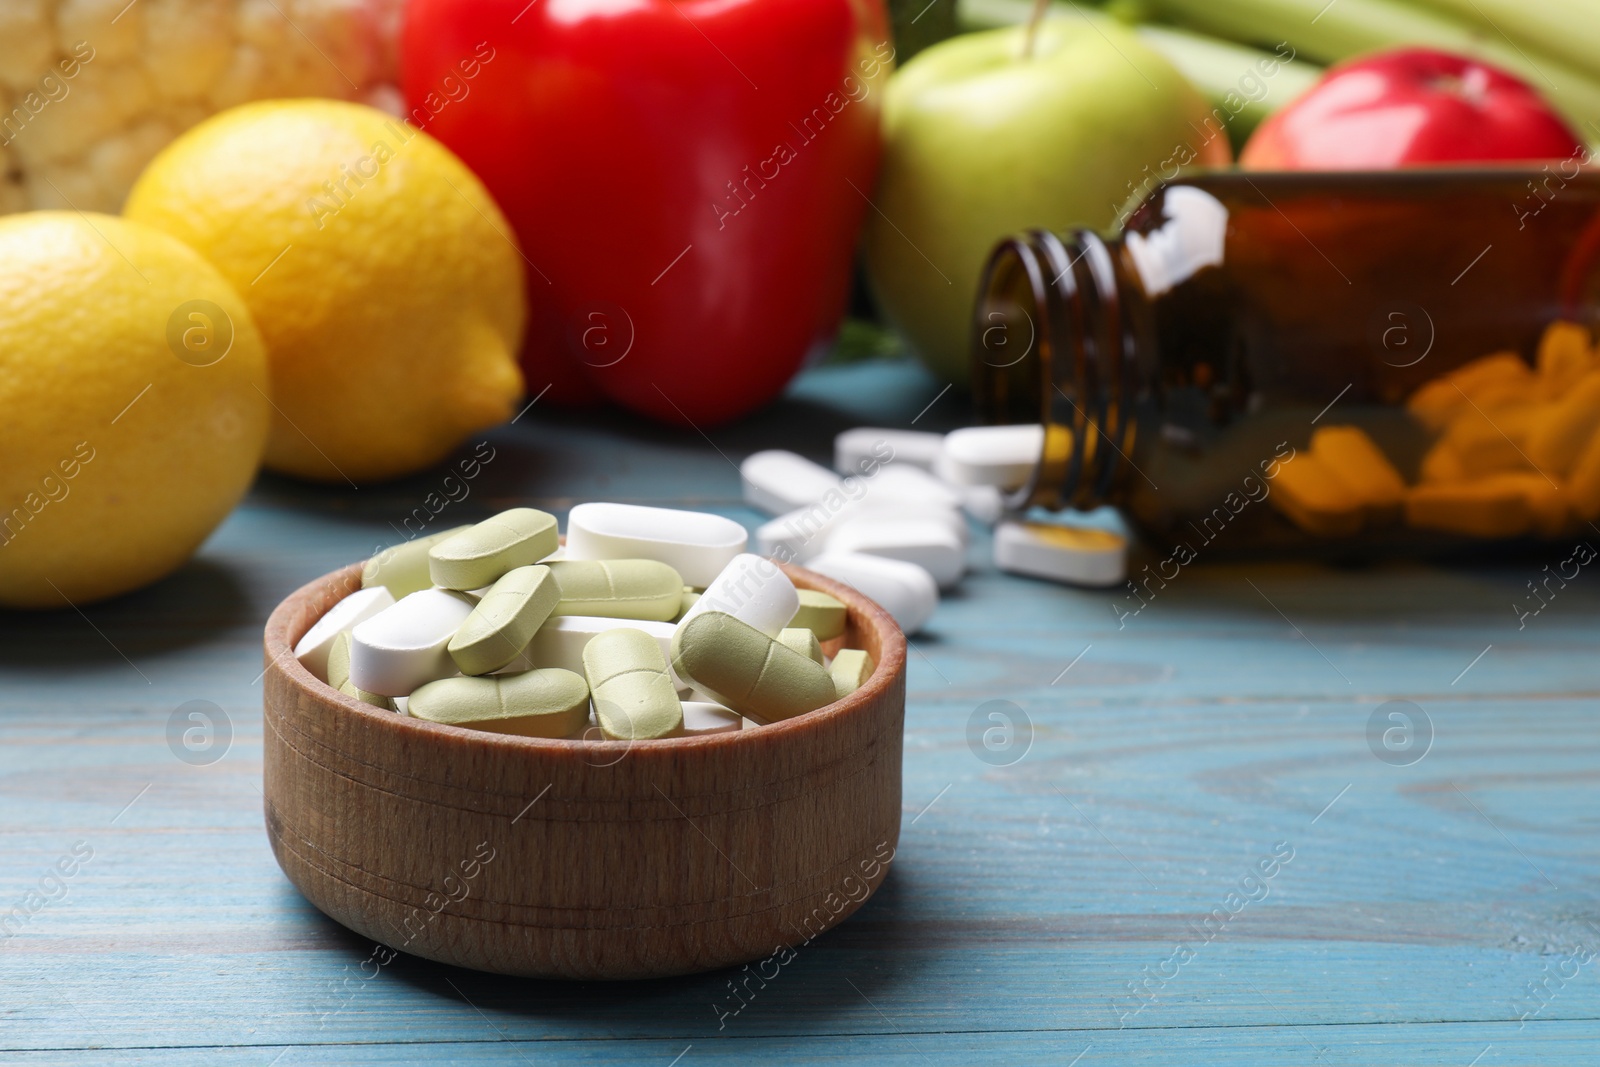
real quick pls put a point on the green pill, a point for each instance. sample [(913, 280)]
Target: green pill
[(634, 698), (803, 641), (849, 670), (403, 569), (548, 702), (481, 554), (349, 689), (690, 596), (618, 588), (746, 670), (505, 620), (820, 613)]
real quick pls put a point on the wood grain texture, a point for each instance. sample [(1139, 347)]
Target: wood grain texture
[(582, 859), (1022, 899)]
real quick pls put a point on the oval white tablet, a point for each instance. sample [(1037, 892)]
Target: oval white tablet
[(860, 450), (895, 482), (702, 717), (560, 641), (1077, 555), (358, 607), (904, 590), (927, 542), (753, 590), (1002, 456), (405, 645), (693, 543), (985, 503), (776, 481)]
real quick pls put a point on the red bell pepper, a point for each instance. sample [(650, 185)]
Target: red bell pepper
[(686, 179), (1409, 106)]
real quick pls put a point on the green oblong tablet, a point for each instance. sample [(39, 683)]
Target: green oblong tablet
[(634, 698), (748, 671), (618, 588), (403, 569), (505, 620), (803, 641), (479, 555), (849, 670), (547, 702), (820, 613), (349, 689)]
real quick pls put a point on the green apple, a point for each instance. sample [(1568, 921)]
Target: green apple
[(984, 137)]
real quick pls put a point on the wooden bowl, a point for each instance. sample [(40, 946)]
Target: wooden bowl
[(582, 859)]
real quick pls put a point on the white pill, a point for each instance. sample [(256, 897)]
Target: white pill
[(904, 590), (860, 450), (358, 607), (926, 542), (560, 641), (753, 590), (796, 536), (777, 482), (1002, 456), (985, 503), (896, 483), (406, 645), (803, 532), (1077, 555), (693, 543), (703, 717)]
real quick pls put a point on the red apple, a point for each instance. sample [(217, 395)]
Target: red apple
[(1405, 107)]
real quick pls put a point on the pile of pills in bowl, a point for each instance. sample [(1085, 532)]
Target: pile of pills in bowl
[(891, 518), (649, 623)]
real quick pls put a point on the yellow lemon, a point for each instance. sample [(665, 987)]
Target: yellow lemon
[(382, 275), (133, 405)]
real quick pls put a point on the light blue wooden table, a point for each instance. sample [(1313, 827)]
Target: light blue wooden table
[(1092, 894)]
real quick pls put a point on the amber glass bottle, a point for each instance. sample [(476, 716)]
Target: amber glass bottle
[(1298, 360)]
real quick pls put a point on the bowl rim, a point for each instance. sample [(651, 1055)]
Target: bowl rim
[(278, 649)]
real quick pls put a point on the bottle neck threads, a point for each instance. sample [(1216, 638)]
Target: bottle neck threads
[(1053, 342)]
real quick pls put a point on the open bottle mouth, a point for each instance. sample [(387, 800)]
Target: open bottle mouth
[(1052, 344)]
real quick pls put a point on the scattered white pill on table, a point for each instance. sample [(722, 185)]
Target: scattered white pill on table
[(407, 644), (926, 542), (984, 503), (860, 450), (913, 484), (905, 590), (695, 544), (776, 482), (1076, 555), (358, 607), (803, 533), (752, 589), (1002, 456), (702, 717)]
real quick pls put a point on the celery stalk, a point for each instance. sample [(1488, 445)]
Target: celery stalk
[(1330, 31), (1565, 30)]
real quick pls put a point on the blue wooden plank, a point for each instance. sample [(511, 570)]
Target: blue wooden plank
[(1168, 756), (1437, 1045)]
